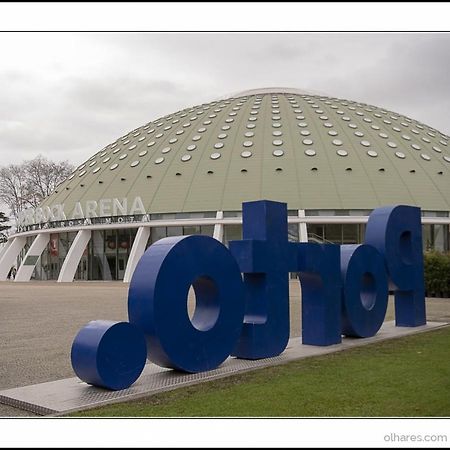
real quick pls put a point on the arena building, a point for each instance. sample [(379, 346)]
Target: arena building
[(331, 160)]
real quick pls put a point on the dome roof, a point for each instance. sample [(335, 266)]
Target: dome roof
[(311, 151)]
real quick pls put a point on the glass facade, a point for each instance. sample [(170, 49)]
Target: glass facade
[(107, 255), (52, 258), (436, 237), (232, 233), (336, 233), (104, 258), (158, 233)]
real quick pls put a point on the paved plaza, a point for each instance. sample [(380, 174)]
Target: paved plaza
[(38, 321)]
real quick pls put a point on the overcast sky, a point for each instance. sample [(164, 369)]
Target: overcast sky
[(67, 95)]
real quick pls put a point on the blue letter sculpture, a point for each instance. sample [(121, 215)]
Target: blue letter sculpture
[(365, 292), (396, 232), (109, 354), (266, 257), (344, 291), (157, 302), (320, 278)]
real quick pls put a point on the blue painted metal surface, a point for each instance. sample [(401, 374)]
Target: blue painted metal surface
[(344, 290), (266, 257), (396, 232), (365, 290), (320, 279), (109, 354), (157, 302)]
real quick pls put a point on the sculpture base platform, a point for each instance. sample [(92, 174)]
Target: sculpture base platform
[(71, 394)]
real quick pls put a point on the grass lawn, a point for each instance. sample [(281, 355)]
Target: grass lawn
[(401, 377)]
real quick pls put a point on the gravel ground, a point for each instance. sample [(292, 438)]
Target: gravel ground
[(38, 321)]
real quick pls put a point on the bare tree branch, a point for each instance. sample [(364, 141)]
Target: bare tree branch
[(26, 185)]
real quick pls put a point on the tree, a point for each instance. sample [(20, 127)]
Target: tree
[(3, 220), (25, 185), (43, 176)]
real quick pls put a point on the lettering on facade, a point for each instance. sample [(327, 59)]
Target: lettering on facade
[(105, 207)]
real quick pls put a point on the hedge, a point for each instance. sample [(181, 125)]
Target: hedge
[(437, 274)]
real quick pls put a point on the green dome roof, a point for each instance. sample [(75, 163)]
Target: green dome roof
[(311, 151)]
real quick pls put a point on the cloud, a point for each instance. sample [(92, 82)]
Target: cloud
[(68, 95)]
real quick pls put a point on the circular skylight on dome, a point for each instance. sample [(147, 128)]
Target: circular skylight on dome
[(278, 153), (310, 152), (215, 155), (159, 160), (246, 154)]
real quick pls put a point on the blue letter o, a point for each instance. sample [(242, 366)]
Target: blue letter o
[(157, 302)]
